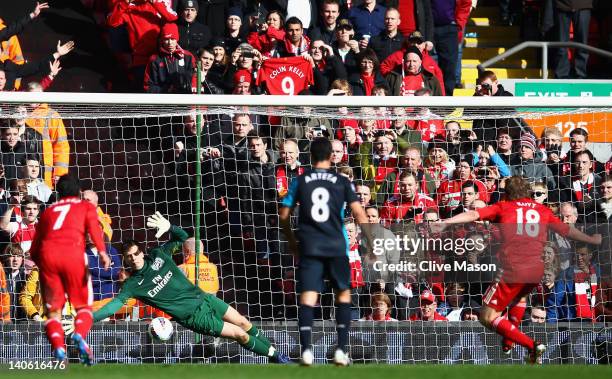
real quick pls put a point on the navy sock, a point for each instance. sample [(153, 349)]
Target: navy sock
[(305, 316), (343, 323)]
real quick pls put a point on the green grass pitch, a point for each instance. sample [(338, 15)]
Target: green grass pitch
[(235, 371)]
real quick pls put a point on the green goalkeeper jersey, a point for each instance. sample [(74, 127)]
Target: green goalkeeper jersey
[(159, 283)]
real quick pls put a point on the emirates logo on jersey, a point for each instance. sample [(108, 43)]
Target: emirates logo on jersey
[(157, 264)]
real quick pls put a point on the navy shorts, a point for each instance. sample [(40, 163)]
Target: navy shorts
[(313, 270)]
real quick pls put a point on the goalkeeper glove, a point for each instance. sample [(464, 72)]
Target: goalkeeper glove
[(158, 222)]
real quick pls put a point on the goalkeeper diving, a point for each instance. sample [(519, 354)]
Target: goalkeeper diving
[(157, 281)]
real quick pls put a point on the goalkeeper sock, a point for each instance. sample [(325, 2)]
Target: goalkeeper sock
[(343, 323), (305, 316), (254, 332), (507, 330), (258, 347), (515, 316), (83, 321), (55, 333)]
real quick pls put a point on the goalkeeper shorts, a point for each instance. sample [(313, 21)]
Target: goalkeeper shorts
[(208, 317)]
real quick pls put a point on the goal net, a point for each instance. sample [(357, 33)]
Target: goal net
[(409, 159)]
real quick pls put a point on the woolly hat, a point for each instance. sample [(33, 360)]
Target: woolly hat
[(169, 31), (234, 11), (528, 140), (414, 50)]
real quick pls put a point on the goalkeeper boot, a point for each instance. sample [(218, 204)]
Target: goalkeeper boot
[(307, 358), (283, 359), (59, 354), (85, 354), (341, 358), (535, 355)]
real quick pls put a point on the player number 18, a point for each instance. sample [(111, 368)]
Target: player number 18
[(528, 222)]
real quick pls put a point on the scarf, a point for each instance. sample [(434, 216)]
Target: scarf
[(368, 83), (356, 267), (178, 52), (580, 190), (282, 182), (303, 47), (585, 286), (384, 166)]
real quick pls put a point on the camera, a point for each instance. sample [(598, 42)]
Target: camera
[(248, 54), (554, 149), (319, 131), (484, 90), (464, 134)]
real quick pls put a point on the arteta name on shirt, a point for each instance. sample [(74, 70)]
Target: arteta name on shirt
[(320, 176)]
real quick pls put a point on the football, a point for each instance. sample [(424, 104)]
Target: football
[(161, 329)]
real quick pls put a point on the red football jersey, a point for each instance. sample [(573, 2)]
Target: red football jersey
[(524, 231), (62, 228), (285, 76)]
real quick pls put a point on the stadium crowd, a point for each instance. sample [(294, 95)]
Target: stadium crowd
[(409, 167)]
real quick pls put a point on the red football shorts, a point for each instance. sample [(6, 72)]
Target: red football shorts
[(65, 277), (501, 294)]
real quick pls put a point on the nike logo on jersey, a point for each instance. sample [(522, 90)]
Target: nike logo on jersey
[(139, 283)]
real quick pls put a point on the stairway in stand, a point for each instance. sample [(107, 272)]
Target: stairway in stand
[(485, 38)]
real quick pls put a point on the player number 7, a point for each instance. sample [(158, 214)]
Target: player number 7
[(63, 211)]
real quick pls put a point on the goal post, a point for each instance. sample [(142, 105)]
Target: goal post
[(140, 153)]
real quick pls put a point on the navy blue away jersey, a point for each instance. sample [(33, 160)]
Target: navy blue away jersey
[(322, 195)]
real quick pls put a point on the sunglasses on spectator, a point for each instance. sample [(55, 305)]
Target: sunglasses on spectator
[(538, 194)]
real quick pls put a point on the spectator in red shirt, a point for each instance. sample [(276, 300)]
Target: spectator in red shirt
[(449, 193), (264, 36), (413, 76), (409, 205), (394, 61), (143, 20), (427, 310)]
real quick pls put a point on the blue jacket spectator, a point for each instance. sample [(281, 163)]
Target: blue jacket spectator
[(502, 167), (571, 297), (105, 283), (368, 22)]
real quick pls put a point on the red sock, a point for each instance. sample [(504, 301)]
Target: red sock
[(510, 332), (55, 333), (83, 321), (516, 313), (515, 316)]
